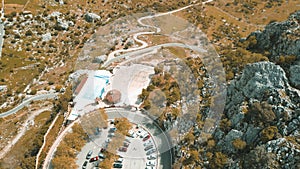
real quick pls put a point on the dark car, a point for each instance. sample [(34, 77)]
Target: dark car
[(112, 130), (97, 131), (118, 165), (123, 149), (150, 152), (102, 150), (89, 154), (126, 144), (148, 147), (94, 159), (84, 165), (146, 138)]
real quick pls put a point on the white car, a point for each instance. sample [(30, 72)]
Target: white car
[(120, 160), (151, 163), (148, 143)]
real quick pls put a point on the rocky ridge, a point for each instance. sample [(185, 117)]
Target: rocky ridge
[(279, 38), (263, 110)]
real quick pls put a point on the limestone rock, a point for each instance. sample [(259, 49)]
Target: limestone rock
[(226, 143), (90, 17), (295, 75), (279, 38), (46, 37)]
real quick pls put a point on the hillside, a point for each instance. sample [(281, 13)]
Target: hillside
[(257, 42)]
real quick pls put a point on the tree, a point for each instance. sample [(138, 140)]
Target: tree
[(28, 33), (268, 133), (157, 70), (219, 160), (58, 88), (225, 125), (239, 144), (33, 92), (123, 125), (146, 105), (106, 163), (211, 143), (260, 158), (189, 138)]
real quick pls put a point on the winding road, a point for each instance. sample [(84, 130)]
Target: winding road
[(112, 55), (27, 102), (136, 118)]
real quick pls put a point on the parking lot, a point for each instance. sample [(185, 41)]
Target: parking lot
[(93, 145), (138, 152)]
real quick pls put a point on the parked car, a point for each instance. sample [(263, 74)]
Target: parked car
[(89, 154), (119, 160), (149, 167), (127, 140), (131, 133), (101, 155), (112, 130), (117, 165), (102, 150), (148, 147), (123, 149), (150, 152), (97, 131), (151, 157), (147, 143), (126, 144), (146, 138), (84, 165), (111, 134), (143, 134), (151, 163), (107, 140), (94, 159)]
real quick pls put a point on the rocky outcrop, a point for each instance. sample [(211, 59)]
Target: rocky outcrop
[(286, 150), (262, 97), (279, 38), (295, 75)]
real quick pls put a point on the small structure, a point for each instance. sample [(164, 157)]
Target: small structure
[(113, 96)]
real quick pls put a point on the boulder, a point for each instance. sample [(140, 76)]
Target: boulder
[(226, 143), (91, 17), (46, 37), (295, 76)]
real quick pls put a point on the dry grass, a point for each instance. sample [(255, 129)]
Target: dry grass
[(9, 126), (177, 51), (261, 14), (51, 137), (25, 145)]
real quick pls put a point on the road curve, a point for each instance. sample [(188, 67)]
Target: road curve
[(27, 102), (149, 49), (135, 36)]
